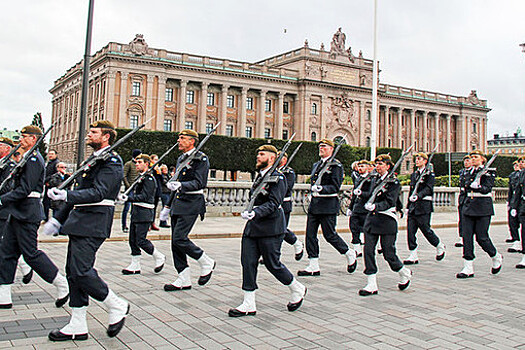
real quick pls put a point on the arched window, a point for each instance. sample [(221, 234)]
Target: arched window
[(368, 141), (313, 136), (339, 139)]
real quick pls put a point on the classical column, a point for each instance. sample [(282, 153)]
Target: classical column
[(436, 132), (201, 118), (466, 133), (449, 133), (483, 136), (260, 118), (122, 121), (241, 116), (109, 98), (425, 132), (148, 98), (412, 127), (278, 128), (161, 98), (399, 127), (323, 118), (223, 110), (181, 106)]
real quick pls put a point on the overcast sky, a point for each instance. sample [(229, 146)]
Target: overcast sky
[(446, 46)]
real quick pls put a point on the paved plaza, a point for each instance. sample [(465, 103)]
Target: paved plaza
[(437, 311)]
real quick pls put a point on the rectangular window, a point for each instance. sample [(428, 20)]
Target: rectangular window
[(285, 134), (314, 108), (210, 99), (190, 96), (249, 103), (135, 89), (188, 125), (209, 127), (249, 131), (268, 105), (169, 95), (229, 130), (133, 121), (474, 127), (167, 124), (230, 101), (267, 133), (286, 107)]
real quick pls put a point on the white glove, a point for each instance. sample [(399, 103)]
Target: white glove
[(248, 215), (164, 214), (56, 194), (413, 198), (357, 192), (51, 227), (370, 206), (513, 213), (173, 185), (122, 197), (317, 188), (348, 212), (475, 185)]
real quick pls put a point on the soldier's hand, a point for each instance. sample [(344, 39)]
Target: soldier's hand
[(348, 212), (317, 188), (357, 192), (248, 215), (164, 214), (413, 198), (173, 185), (51, 227), (513, 213), (475, 185), (122, 197), (56, 194), (370, 206)]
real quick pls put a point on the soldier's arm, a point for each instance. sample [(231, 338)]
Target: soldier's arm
[(148, 190), (389, 200), (486, 182), (426, 187), (31, 174), (107, 178), (511, 190), (275, 199), (201, 176), (515, 202), (336, 179)]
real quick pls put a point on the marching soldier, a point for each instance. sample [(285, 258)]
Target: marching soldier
[(514, 222), (263, 236), (187, 203), (25, 211), (323, 210), (518, 208), (461, 198), (356, 210), (420, 209), (381, 223), (5, 148), (142, 200), (477, 212), (86, 218)]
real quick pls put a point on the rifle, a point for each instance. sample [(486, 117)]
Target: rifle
[(142, 176), (26, 156), (88, 163), (266, 178), (383, 183), (289, 160), (187, 161), (357, 190), (326, 164), (6, 159), (486, 168), (425, 171)]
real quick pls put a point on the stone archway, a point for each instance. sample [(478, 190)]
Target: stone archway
[(346, 133)]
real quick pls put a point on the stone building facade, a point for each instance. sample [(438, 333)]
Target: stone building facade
[(315, 93), (508, 145)]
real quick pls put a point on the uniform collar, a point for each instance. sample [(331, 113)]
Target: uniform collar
[(190, 152), (324, 159), (263, 172), (97, 153)]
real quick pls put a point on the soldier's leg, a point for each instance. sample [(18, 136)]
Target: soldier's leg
[(312, 242), (133, 239), (9, 255), (180, 228), (388, 244), (328, 223), (411, 231), (481, 229), (356, 227), (369, 253), (289, 236), (514, 225), (468, 223), (424, 225), (270, 249), (249, 261), (142, 241)]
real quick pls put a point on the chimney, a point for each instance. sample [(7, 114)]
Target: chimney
[(496, 136)]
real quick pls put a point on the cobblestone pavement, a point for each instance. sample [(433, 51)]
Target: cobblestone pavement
[(437, 311)]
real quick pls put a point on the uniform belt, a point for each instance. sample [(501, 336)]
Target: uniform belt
[(427, 198), (106, 202), (144, 205), (477, 194), (287, 199), (317, 194), (34, 194), (255, 206), (194, 192), (389, 212)]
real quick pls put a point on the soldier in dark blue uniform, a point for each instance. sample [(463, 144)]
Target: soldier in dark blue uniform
[(187, 204), (461, 197), (514, 222), (381, 223), (142, 199), (420, 209), (477, 212), (25, 211), (356, 210), (5, 148), (263, 236), (323, 210), (517, 208), (86, 218)]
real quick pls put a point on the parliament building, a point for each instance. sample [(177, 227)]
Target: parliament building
[(315, 93)]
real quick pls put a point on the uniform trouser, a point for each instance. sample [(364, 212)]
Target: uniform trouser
[(388, 244), (357, 221), (289, 236), (46, 203), (20, 238), (252, 248), (124, 215), (327, 222), (521, 219), (137, 238), (460, 220), (83, 279), (479, 226), (181, 246), (422, 222), (514, 226)]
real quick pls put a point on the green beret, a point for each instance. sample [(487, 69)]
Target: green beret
[(7, 141), (285, 154), (466, 157), (103, 124), (327, 142), (31, 130), (267, 148), (422, 155), (145, 158), (363, 161), (189, 132), (383, 158)]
